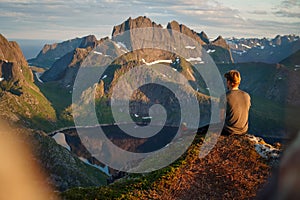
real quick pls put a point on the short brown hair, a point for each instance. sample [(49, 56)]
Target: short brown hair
[(234, 77)]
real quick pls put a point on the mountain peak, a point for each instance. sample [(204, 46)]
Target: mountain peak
[(52, 52), (204, 37), (10, 51), (12, 61), (175, 26), (139, 22), (172, 27), (220, 41), (88, 41)]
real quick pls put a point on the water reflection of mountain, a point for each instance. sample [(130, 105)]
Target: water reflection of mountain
[(126, 142)]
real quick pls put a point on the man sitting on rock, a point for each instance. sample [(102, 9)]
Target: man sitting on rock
[(234, 106)]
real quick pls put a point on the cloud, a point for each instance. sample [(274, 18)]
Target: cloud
[(258, 12), (61, 19), (8, 14), (46, 19), (288, 9), (290, 3), (287, 13), (207, 12)]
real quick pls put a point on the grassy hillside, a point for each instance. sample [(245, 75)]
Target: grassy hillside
[(21, 100), (61, 168), (61, 99), (31, 107), (64, 170), (233, 169)]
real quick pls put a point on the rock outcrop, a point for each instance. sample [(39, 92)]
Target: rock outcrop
[(119, 32), (175, 26), (139, 22), (11, 52)]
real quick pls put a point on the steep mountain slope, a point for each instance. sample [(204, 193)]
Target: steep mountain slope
[(59, 68), (62, 169), (263, 50), (274, 91), (219, 50), (293, 60), (65, 69), (21, 100), (52, 52), (10, 51)]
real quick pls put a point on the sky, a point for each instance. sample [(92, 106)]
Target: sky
[(63, 19)]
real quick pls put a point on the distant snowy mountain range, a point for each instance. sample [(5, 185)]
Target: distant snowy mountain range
[(263, 50)]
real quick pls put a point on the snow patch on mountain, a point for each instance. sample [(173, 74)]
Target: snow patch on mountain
[(122, 46), (210, 50), (103, 169), (61, 140), (99, 53), (156, 62), (198, 59), (190, 47), (246, 46)]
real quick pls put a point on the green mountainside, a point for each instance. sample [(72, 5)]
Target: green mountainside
[(63, 170), (23, 104), (21, 100)]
